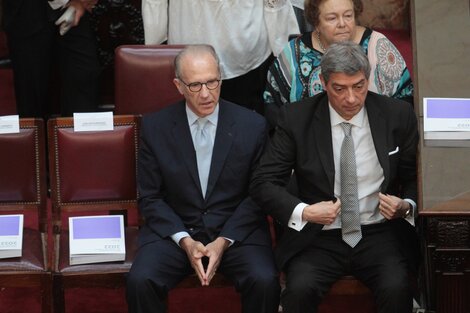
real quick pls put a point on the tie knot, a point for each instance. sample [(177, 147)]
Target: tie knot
[(346, 128), (202, 123)]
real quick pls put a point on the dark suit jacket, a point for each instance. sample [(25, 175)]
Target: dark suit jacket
[(171, 200), (302, 141)]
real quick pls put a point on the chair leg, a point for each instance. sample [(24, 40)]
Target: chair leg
[(58, 294), (46, 293)]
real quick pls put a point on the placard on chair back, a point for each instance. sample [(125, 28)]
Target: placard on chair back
[(92, 173), (23, 190), (144, 78)]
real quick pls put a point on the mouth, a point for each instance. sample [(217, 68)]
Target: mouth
[(206, 104)]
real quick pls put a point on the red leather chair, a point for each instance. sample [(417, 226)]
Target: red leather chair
[(144, 78), (23, 190), (92, 173)]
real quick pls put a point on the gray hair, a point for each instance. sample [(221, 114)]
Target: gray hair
[(344, 57), (195, 50)]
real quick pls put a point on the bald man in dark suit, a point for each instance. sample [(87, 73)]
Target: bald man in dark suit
[(198, 215)]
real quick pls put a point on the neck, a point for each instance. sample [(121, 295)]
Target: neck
[(320, 44)]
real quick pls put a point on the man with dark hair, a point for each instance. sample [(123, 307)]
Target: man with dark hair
[(354, 156), (194, 167)]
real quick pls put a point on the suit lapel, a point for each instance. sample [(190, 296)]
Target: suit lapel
[(222, 144), (378, 128), (323, 139), (182, 137)]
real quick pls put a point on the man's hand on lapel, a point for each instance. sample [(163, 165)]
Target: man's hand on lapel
[(195, 251), (324, 212), (393, 207), (216, 250)]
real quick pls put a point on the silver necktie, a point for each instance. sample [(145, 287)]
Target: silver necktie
[(350, 219), (203, 147)]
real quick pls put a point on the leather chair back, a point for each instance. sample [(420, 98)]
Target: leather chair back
[(144, 78), (92, 173)]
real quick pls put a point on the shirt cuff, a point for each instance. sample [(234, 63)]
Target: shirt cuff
[(57, 4), (411, 217), (295, 220), (178, 236), (230, 240)]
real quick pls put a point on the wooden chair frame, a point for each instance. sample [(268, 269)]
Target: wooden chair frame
[(104, 275), (32, 268)]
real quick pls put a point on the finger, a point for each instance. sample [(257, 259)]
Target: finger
[(202, 250), (60, 20), (212, 266), (386, 213), (199, 268)]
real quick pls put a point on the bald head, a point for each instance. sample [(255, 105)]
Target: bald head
[(194, 52)]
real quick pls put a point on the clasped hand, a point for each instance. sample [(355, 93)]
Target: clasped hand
[(196, 251)]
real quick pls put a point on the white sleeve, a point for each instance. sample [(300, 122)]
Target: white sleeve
[(411, 218), (178, 236), (295, 220), (155, 18), (57, 4), (280, 21)]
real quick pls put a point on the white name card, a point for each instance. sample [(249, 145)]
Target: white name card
[(9, 124), (446, 114), (11, 235), (99, 121)]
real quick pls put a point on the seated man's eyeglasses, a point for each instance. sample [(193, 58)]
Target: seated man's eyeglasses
[(197, 86)]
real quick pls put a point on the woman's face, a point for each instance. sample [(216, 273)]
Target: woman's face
[(336, 21)]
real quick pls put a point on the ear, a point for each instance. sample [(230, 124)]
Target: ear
[(178, 85)]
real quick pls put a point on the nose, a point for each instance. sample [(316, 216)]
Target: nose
[(341, 22), (350, 96), (204, 92)]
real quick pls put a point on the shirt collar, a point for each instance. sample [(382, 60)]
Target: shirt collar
[(213, 117), (356, 120)]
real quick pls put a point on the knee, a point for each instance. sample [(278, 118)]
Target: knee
[(267, 281), (395, 288), (139, 282), (303, 287)]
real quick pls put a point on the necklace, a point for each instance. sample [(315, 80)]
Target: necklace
[(320, 43)]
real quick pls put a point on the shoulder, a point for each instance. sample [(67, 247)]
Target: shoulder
[(305, 111), (305, 105), (241, 115), (387, 105), (165, 116)]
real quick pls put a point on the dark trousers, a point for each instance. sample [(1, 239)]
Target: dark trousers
[(160, 265), (247, 90), (377, 261), (75, 56)]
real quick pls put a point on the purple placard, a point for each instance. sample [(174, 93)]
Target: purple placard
[(448, 108), (97, 227), (9, 225)]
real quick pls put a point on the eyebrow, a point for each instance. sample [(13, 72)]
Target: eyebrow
[(362, 81)]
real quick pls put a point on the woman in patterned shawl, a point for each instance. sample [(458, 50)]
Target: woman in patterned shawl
[(294, 75)]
